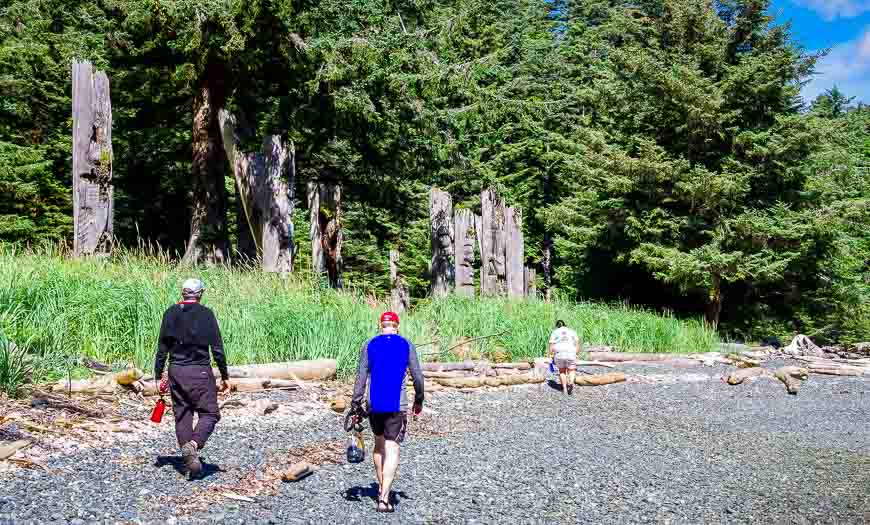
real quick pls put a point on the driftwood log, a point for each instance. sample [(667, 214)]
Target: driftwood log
[(310, 370), (622, 357), (740, 375), (464, 241), (93, 191), (247, 378), (7, 451), (265, 182), (441, 234), (599, 379), (791, 376), (298, 471)]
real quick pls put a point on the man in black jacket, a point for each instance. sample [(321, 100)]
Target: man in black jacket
[(187, 332)]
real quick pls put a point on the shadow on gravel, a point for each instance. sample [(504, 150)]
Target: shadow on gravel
[(371, 492), (178, 464)]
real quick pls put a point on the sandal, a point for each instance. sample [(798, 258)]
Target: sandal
[(387, 506)]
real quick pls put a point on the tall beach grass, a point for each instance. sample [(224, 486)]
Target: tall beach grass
[(61, 309)]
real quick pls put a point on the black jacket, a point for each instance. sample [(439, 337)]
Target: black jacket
[(186, 333)]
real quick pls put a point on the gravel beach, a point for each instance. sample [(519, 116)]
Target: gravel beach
[(672, 445)]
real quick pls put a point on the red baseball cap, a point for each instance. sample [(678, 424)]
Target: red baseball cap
[(390, 316)]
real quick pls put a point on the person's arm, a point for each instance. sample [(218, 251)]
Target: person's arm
[(162, 346), (217, 348), (362, 376), (417, 378), (552, 346)]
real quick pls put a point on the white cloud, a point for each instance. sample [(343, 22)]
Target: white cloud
[(847, 66), (832, 9)]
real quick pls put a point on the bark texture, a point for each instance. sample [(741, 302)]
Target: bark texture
[(464, 240), (208, 225), (441, 233), (93, 192), (324, 204), (265, 182), (515, 258), (493, 279)]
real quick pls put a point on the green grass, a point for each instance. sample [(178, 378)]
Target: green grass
[(62, 309)]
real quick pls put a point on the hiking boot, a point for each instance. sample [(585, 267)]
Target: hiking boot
[(191, 460)]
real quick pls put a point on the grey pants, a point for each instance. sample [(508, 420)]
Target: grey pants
[(193, 391)]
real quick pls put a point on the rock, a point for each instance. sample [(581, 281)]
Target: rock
[(338, 404), (262, 407), (804, 346), (862, 348)]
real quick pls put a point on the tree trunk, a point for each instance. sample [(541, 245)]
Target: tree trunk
[(530, 284), (246, 246), (276, 205), (514, 253), (547, 266), (714, 307), (265, 182), (400, 300), (324, 204), (93, 192), (441, 233), (464, 231), (208, 224)]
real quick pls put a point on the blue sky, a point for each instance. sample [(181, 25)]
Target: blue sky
[(843, 27)]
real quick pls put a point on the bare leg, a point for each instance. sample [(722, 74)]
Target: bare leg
[(378, 458), (391, 465), (571, 374), (564, 381)]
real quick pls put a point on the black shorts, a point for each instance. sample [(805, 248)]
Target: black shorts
[(391, 425)]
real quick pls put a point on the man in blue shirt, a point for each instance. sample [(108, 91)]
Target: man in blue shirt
[(384, 363)]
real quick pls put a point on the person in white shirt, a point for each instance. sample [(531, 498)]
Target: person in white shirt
[(564, 347)]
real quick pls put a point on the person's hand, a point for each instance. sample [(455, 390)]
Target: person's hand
[(226, 385), (162, 386), (418, 407)]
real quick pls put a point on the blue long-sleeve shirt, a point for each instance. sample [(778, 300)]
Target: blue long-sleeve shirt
[(384, 363)]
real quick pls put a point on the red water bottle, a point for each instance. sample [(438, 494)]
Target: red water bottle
[(159, 409)]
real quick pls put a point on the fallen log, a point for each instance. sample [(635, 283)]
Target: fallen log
[(791, 376), (338, 404), (128, 377), (512, 380), (431, 375), (477, 381), (245, 384), (450, 367), (253, 384), (460, 382), (599, 379), (621, 357), (7, 451), (298, 471), (833, 361), (311, 370), (101, 385), (840, 371), (742, 374), (512, 366)]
